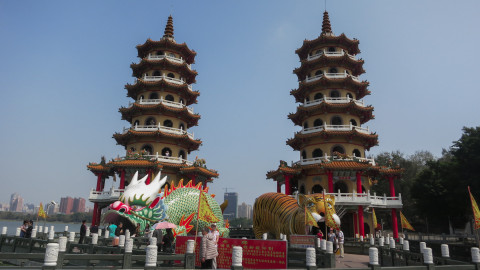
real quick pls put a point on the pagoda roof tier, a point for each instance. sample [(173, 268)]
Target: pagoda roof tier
[(184, 113), (184, 90), (185, 140), (385, 171), (282, 170), (354, 107), (166, 44), (325, 60), (302, 138), (99, 168), (167, 63), (207, 173), (327, 40), (134, 163), (325, 83)]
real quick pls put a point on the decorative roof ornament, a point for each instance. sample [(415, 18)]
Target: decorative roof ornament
[(168, 34), (326, 26)]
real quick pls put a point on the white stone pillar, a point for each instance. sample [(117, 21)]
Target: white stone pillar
[(311, 258), (88, 232), (372, 241), (406, 245), (264, 236), (427, 256), (62, 243), (121, 241), (51, 234), (71, 237), (400, 240), (127, 234), (106, 234), (445, 251), (128, 245), (4, 230), (361, 238), (152, 241), (66, 228), (34, 233), (423, 246), (329, 247), (318, 242), (151, 256), (387, 240), (17, 233), (237, 256), (52, 228), (94, 238), (381, 241), (475, 255), (392, 243), (40, 229), (99, 232), (190, 246), (323, 244), (373, 256), (51, 254)]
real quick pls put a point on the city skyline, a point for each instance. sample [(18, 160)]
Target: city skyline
[(68, 88)]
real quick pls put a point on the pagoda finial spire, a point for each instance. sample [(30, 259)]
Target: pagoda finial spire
[(326, 26), (169, 28)]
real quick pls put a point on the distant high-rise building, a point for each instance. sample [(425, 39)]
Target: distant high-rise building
[(231, 211), (78, 205), (16, 203), (66, 205), (245, 211)]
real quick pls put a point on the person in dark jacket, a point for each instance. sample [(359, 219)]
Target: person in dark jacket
[(120, 230), (83, 232), (28, 231)]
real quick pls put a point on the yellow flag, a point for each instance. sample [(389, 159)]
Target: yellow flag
[(329, 217), (476, 212), (309, 220), (405, 223), (205, 213), (374, 217), (41, 213)]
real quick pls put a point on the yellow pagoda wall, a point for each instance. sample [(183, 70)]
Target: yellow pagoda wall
[(159, 119), (328, 118), (343, 92), (327, 146), (158, 146)]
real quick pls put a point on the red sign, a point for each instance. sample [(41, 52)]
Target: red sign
[(302, 241), (257, 254)]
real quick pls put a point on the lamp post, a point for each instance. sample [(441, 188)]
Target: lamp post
[(48, 207)]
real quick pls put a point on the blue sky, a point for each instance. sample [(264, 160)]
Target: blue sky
[(64, 65)]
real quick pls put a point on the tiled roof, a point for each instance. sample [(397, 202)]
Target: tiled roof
[(301, 139), (327, 61), (146, 64), (182, 113), (133, 90), (360, 88), (304, 112), (166, 44), (135, 163), (123, 138), (281, 170), (350, 45), (199, 170)]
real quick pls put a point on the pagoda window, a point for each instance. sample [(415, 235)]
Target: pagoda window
[(333, 70), (171, 75), (153, 96), (338, 149), (334, 93), (348, 72), (302, 189), (304, 154), (181, 154), (169, 98), (132, 149), (142, 97), (318, 96), (307, 99), (353, 122), (332, 49), (160, 53), (318, 72), (157, 73), (363, 189), (318, 122), (317, 153), (167, 123), (305, 125), (318, 52), (150, 121), (136, 123), (166, 152), (349, 95), (182, 126), (181, 101), (340, 186), (356, 153), (317, 189), (171, 54), (147, 148), (337, 120)]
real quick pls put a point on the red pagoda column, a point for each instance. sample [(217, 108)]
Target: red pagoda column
[(330, 182), (122, 179), (279, 187), (94, 217), (287, 184), (205, 184), (149, 176), (360, 207), (99, 182), (394, 211), (193, 177)]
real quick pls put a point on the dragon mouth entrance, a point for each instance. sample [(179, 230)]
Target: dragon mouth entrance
[(112, 216)]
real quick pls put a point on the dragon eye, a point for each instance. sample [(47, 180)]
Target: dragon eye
[(121, 210)]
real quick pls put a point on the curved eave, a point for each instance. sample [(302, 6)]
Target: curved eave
[(342, 41), (199, 171), (181, 113), (145, 64), (133, 90), (168, 45), (360, 88), (364, 113), (99, 168), (346, 165), (135, 163), (280, 171), (356, 66), (300, 139), (124, 138)]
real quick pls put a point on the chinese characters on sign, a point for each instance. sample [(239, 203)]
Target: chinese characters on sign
[(257, 254), (302, 241)]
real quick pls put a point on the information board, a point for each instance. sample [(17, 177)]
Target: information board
[(302, 241), (257, 254)]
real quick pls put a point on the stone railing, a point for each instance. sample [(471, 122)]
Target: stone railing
[(105, 196), (163, 101)]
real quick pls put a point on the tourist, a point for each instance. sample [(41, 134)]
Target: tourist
[(341, 239), (120, 230), (208, 250), (28, 231), (320, 234), (215, 232), (83, 231), (157, 233), (112, 228), (167, 242), (138, 231), (147, 229), (94, 228), (331, 237), (23, 228)]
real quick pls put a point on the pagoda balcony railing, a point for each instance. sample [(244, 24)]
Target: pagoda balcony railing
[(166, 78), (171, 58), (105, 196), (368, 200), (163, 101), (335, 128), (331, 76), (336, 100), (325, 158), (176, 131), (327, 53), (169, 159)]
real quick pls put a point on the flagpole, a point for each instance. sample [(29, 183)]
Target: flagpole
[(325, 217)]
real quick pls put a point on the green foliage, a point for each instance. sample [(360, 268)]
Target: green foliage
[(243, 222), (75, 217)]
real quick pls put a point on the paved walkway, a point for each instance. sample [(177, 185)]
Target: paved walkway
[(351, 261)]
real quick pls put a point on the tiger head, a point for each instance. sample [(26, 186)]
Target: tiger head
[(322, 208)]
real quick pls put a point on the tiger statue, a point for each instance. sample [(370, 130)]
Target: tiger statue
[(277, 213)]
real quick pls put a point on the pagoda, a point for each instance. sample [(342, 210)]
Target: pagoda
[(158, 138), (333, 137)]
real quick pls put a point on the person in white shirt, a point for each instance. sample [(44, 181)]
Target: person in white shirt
[(217, 237), (341, 239)]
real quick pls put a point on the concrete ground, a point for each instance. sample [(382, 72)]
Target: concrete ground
[(351, 261)]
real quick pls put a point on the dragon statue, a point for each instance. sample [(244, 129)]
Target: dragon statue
[(146, 204), (277, 213)]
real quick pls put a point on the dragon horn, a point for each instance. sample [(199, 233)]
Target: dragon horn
[(143, 179), (160, 182), (134, 179)]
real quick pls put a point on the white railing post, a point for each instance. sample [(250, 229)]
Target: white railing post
[(129, 245), (423, 246), (475, 255), (381, 241), (445, 251), (121, 240), (72, 237), (323, 244), (264, 236), (329, 249), (17, 233), (373, 256), (94, 238), (34, 233), (51, 254), (151, 256), (392, 243), (237, 256), (190, 246), (4, 230), (406, 245), (62, 243), (427, 256), (311, 258)]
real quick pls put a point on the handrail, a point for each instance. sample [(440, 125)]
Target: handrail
[(366, 199), (327, 53), (169, 159), (163, 101), (332, 76), (336, 128), (325, 158), (335, 100), (171, 58), (171, 130), (159, 78)]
